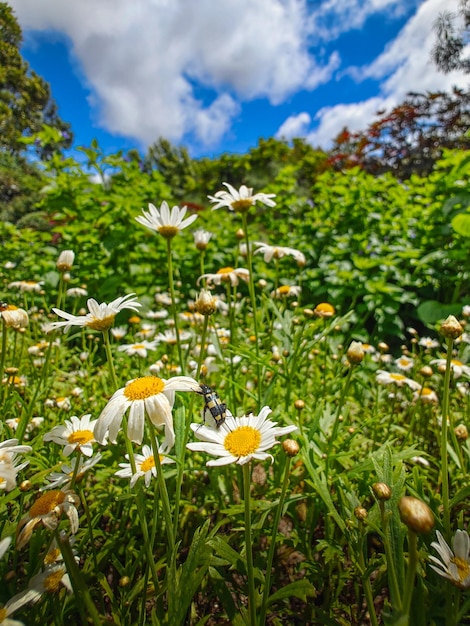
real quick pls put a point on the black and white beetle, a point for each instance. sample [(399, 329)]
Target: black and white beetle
[(213, 406)]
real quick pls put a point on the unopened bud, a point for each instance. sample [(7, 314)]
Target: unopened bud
[(426, 371), (360, 513), (382, 491), (65, 260), (416, 514), (461, 432), (290, 447), (299, 405), (451, 328), (355, 353), (205, 303)]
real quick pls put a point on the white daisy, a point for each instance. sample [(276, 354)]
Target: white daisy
[(57, 480), (144, 464), (65, 260), (201, 238), (27, 285), (428, 342), (239, 439), (404, 363), (9, 467), (391, 378), (149, 394), (77, 434), (454, 564), (226, 275), (141, 349), (242, 200), (100, 316), (51, 580), (167, 223), (76, 292), (119, 332), (458, 368), (169, 337), (426, 395), (277, 252), (287, 291)]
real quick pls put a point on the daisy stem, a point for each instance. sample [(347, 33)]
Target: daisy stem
[(410, 573), (173, 301), (395, 594), (251, 286), (61, 291), (336, 421), (77, 581), (76, 468), (163, 494), (248, 544), (272, 547), (231, 310), (109, 358), (4, 349), (444, 460)]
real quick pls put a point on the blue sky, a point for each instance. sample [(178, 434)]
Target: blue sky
[(216, 75)]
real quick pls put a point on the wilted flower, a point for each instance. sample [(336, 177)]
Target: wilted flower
[(167, 223), (100, 316), (47, 510), (240, 201), (454, 564), (14, 317), (239, 439), (149, 394)]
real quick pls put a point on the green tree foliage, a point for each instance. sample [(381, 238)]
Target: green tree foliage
[(452, 36), (409, 139)]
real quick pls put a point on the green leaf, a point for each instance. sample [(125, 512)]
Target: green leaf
[(461, 224), (431, 311), (300, 589)]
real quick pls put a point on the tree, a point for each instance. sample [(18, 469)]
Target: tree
[(410, 138), (25, 98), (452, 30)]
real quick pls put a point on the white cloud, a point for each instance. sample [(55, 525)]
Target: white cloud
[(294, 126), (146, 60), (403, 67)]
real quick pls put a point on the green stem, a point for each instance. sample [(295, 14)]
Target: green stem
[(163, 493), (109, 357), (251, 286), (392, 575), (248, 545), (173, 302), (410, 573), (336, 422), (269, 563), (4, 349)]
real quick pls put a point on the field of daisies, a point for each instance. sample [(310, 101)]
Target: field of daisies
[(249, 411)]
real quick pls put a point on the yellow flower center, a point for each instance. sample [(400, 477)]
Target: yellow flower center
[(3, 615), (242, 206), (325, 309), (425, 391), (225, 270), (134, 319), (11, 307), (284, 290), (463, 567), (242, 441), (397, 377), (51, 557), (101, 324), (145, 387), (52, 582), (168, 231), (46, 503), (456, 362), (148, 464), (80, 437), (138, 346)]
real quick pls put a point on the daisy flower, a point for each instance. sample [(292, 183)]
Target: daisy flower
[(239, 439), (404, 363), (324, 309), (169, 337), (167, 223), (100, 316), (57, 480), (47, 510), (14, 317), (149, 394), (65, 260), (428, 343), (389, 378), (51, 580), (119, 332), (458, 368), (287, 291), (426, 395), (26, 286), (453, 564), (277, 252), (77, 434), (76, 292), (144, 464), (201, 238), (242, 200), (226, 275), (141, 349)]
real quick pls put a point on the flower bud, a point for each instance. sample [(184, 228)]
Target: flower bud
[(290, 447), (461, 432), (65, 260), (451, 328), (360, 513), (205, 303), (382, 491), (416, 514), (426, 371), (355, 353), (299, 404)]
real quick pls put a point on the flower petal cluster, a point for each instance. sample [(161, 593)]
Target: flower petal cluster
[(277, 252), (453, 564), (167, 223), (226, 275), (100, 316), (141, 348), (242, 200), (458, 368), (148, 394), (390, 378), (9, 467), (77, 434), (239, 439)]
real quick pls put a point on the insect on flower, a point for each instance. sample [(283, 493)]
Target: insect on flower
[(213, 407)]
